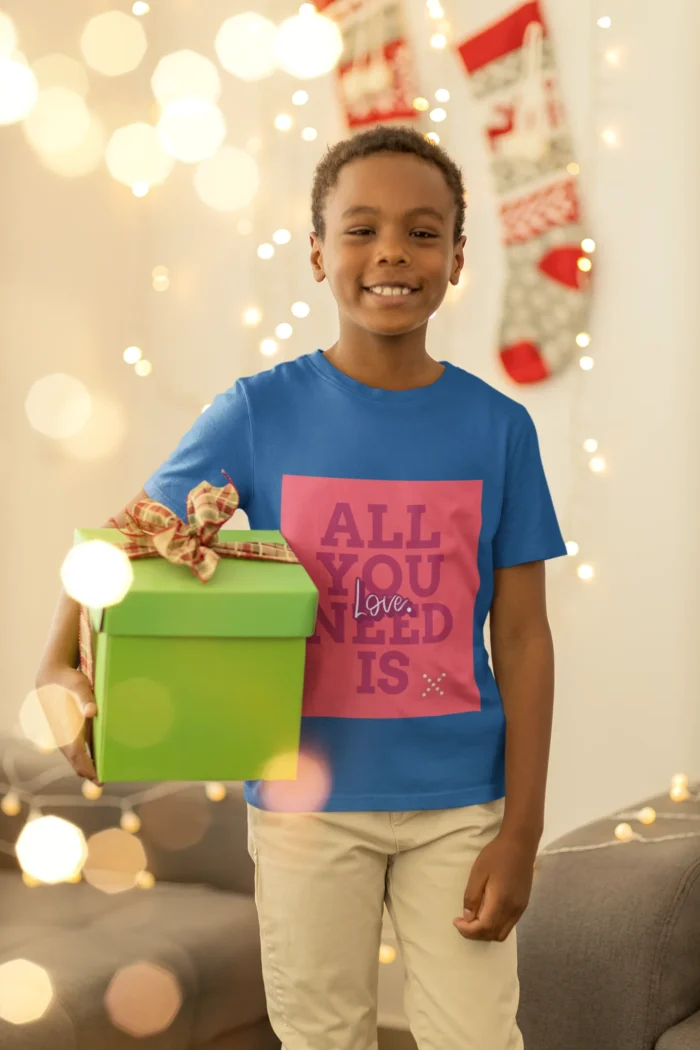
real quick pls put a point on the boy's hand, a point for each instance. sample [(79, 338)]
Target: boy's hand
[(65, 696), (498, 891)]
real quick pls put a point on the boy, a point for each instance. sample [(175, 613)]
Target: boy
[(414, 495)]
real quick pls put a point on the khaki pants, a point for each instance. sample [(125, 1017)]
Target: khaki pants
[(321, 881)]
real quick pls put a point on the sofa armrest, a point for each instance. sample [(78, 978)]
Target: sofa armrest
[(187, 838), (683, 1036)]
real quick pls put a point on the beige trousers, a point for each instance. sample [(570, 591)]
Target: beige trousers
[(321, 881)]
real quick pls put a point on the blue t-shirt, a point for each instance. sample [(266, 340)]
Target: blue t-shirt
[(400, 505)]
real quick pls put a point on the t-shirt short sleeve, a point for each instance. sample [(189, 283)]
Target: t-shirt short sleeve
[(528, 529), (219, 440)]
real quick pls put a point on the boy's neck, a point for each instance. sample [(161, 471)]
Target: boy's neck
[(385, 362)]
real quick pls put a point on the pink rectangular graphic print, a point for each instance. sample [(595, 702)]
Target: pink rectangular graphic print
[(395, 564)]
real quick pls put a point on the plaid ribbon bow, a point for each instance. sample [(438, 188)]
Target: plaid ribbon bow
[(153, 530)]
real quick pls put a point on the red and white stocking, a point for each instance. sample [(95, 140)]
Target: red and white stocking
[(513, 76), (376, 73)]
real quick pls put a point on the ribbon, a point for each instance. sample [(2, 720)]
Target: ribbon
[(152, 530)]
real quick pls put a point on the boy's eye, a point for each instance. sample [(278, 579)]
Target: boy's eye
[(421, 234)]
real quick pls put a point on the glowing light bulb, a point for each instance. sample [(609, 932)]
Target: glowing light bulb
[(11, 804), (252, 317), (283, 122), (215, 791), (583, 340), (597, 464), (266, 251), (585, 572), (590, 445), (132, 354), (647, 815), (624, 833), (679, 793), (91, 791), (130, 822), (145, 880), (586, 363), (387, 954), (572, 548)]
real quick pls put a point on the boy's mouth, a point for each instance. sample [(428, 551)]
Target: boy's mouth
[(391, 293)]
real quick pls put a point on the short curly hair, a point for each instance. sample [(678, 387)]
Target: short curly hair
[(383, 139)]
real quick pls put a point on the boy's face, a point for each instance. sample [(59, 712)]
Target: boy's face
[(389, 222)]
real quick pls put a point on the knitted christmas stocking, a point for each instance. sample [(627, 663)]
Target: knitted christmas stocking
[(513, 77)]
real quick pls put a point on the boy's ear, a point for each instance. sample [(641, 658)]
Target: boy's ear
[(458, 262), (317, 257)]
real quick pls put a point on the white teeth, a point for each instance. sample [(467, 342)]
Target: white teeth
[(383, 289)]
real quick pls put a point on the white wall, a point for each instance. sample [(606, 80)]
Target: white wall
[(75, 285)]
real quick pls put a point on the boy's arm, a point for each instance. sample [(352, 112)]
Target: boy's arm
[(523, 662), (59, 663)]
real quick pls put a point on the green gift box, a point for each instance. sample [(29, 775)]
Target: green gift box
[(201, 681)]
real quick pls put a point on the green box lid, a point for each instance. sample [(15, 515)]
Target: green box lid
[(243, 599)]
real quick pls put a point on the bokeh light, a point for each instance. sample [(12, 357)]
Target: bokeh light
[(59, 121), (97, 574), (176, 822), (25, 991), (308, 45), (215, 791), (300, 98), (56, 70), (91, 791), (283, 331), (135, 154), (245, 46), (309, 134), (252, 317), (269, 347), (143, 368), (283, 122), (113, 43), (130, 698), (51, 717), (103, 434), (130, 822), (185, 74), (132, 354), (227, 181), (8, 36), (143, 999), (18, 91), (51, 849), (307, 793), (266, 251), (114, 861), (301, 309), (82, 159), (191, 129), (387, 954), (281, 236), (58, 405)]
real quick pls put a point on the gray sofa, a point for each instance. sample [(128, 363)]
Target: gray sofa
[(609, 947)]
